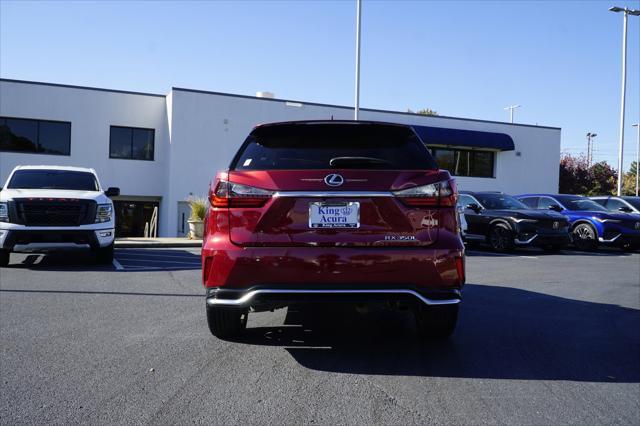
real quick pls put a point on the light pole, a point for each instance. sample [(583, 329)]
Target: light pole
[(637, 126), (590, 137), (356, 109), (511, 108), (627, 12)]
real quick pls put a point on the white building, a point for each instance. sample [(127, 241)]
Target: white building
[(162, 149)]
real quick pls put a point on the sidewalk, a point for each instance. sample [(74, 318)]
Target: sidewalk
[(140, 242)]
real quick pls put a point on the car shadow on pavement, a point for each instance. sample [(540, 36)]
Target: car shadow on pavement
[(128, 260), (77, 260), (503, 333), (481, 251)]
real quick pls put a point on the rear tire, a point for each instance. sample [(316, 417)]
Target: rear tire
[(4, 257), (225, 322), (436, 322), (500, 238), (584, 237), (104, 255)]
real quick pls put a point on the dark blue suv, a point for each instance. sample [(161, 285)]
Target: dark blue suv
[(590, 223)]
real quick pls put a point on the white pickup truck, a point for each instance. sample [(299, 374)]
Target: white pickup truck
[(46, 208)]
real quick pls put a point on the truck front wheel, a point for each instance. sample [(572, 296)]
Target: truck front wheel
[(4, 257), (105, 254)]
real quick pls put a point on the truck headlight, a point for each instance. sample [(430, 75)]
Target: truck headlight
[(104, 213), (4, 212)]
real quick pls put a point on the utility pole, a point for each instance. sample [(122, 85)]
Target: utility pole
[(627, 12), (357, 100), (511, 108), (590, 137), (637, 126)]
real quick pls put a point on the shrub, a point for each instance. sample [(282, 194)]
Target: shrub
[(198, 208)]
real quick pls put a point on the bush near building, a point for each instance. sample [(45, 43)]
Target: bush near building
[(578, 177)]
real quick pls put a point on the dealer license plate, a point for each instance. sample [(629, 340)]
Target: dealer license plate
[(334, 215)]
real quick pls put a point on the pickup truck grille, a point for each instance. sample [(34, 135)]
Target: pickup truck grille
[(55, 211)]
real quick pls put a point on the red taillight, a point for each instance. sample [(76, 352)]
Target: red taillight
[(432, 195), (229, 194)]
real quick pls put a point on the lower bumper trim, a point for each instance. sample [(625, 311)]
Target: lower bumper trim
[(247, 298)]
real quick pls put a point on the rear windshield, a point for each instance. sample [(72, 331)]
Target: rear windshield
[(53, 179), (339, 146), (580, 204)]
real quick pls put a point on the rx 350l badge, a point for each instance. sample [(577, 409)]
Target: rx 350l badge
[(334, 179)]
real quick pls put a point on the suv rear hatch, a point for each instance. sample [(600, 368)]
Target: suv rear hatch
[(340, 184)]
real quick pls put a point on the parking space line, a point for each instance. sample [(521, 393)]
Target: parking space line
[(117, 264), (183, 256), (489, 254), (143, 268), (158, 261)]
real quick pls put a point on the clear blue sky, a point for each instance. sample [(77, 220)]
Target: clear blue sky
[(560, 60)]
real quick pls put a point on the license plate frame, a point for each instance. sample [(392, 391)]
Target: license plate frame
[(333, 218)]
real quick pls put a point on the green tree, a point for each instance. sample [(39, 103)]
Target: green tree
[(629, 180), (577, 177), (604, 180), (424, 111)]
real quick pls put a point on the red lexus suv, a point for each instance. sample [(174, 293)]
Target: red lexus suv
[(332, 211)]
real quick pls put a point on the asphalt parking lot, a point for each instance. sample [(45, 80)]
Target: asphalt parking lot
[(542, 339)]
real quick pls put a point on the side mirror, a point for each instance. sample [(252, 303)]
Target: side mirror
[(625, 209), (473, 206), (112, 192), (555, 208)]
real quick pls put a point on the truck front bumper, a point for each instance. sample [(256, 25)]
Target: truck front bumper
[(45, 240)]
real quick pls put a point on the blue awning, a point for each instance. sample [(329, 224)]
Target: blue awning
[(464, 138)]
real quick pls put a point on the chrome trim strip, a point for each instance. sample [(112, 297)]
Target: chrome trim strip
[(602, 240), (517, 241), (244, 300), (332, 194), (474, 236)]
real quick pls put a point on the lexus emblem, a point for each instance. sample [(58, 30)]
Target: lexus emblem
[(556, 225), (334, 179)]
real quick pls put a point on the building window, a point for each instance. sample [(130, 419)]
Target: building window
[(131, 143), (35, 136), (461, 162)]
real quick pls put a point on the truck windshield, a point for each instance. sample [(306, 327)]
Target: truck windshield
[(53, 179), (329, 145)]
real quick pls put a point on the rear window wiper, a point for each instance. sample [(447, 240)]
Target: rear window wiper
[(357, 161)]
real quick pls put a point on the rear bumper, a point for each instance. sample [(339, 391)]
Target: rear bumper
[(268, 296), (35, 240), (225, 265)]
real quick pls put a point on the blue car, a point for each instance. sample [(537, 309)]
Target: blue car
[(590, 223)]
